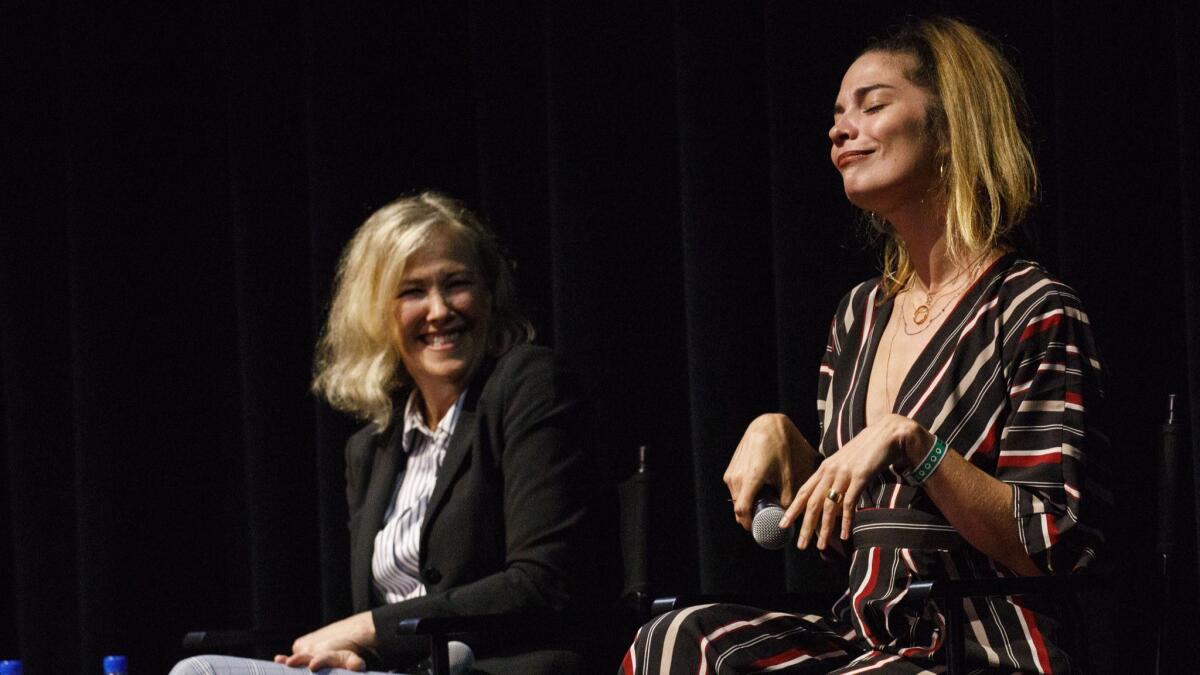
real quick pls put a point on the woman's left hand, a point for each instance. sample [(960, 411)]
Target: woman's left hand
[(338, 645), (847, 473)]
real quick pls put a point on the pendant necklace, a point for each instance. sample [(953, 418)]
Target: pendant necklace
[(921, 312), (921, 317)]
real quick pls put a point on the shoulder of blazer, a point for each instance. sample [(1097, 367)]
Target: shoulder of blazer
[(522, 361), (362, 444), (498, 379), (360, 452)]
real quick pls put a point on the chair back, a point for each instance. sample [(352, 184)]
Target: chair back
[(634, 496)]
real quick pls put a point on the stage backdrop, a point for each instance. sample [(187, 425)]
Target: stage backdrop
[(178, 180)]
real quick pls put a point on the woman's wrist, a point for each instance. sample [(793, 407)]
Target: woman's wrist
[(914, 441), (365, 629)]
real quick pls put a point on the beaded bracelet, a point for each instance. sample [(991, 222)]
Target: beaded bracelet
[(933, 459)]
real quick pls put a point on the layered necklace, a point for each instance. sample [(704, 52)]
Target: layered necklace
[(927, 313), (924, 315)]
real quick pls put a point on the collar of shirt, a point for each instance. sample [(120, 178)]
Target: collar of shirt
[(414, 422)]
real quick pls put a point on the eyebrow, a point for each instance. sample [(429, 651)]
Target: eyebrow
[(860, 94), (443, 274)]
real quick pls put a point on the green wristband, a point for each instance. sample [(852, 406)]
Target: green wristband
[(933, 459)]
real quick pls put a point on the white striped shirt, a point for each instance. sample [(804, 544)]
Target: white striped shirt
[(395, 564)]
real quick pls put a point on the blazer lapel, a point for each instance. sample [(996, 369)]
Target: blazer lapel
[(388, 462), (460, 447)]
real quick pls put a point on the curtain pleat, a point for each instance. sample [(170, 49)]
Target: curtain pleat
[(178, 182), (1186, 18), (616, 261), (38, 506), (720, 97)]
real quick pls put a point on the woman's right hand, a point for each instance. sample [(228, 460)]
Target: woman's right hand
[(337, 645), (771, 452)]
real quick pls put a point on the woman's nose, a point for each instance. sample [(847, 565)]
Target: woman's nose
[(438, 307), (843, 129)]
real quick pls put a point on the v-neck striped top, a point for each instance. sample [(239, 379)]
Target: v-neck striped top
[(1011, 380)]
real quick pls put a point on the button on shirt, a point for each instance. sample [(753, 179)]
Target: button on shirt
[(395, 564)]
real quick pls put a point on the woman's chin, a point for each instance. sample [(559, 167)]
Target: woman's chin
[(862, 199)]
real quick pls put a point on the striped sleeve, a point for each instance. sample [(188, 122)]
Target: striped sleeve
[(1050, 450), (842, 320)]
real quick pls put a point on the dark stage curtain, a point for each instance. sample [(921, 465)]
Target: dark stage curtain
[(178, 180)]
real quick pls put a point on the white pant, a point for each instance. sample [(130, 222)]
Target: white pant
[(210, 664)]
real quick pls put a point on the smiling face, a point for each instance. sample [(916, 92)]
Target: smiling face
[(441, 311), (881, 144)]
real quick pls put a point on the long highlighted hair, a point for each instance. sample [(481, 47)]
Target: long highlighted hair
[(987, 174), (357, 367)]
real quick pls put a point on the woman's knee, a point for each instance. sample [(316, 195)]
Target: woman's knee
[(195, 665)]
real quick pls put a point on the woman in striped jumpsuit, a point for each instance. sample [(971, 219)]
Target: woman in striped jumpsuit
[(959, 396)]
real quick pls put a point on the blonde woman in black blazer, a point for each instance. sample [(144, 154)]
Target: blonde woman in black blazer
[(508, 524), (423, 335)]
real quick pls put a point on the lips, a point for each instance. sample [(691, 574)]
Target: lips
[(442, 340), (848, 157)]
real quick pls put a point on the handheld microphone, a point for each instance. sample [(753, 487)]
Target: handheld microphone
[(767, 514), (462, 657)]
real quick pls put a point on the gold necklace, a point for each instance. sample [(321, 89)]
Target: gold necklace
[(921, 312), (921, 316), (927, 323)]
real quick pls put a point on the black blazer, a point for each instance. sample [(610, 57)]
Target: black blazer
[(507, 528)]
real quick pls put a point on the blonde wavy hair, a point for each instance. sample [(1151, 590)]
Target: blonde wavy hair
[(357, 367), (987, 174)]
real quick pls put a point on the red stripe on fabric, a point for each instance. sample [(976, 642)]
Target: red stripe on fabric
[(787, 655), (627, 663), (1041, 326), (989, 441), (1074, 397), (1051, 530), (1029, 460), (1035, 634), (916, 651), (725, 630), (967, 332), (865, 595)]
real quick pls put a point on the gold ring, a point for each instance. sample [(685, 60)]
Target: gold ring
[(834, 496)]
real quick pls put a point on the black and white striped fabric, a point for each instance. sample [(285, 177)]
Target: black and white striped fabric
[(1012, 381), (395, 564)]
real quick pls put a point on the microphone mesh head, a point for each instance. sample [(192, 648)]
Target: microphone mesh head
[(460, 656), (766, 528)]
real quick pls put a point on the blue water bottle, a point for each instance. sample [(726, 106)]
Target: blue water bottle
[(10, 668), (115, 665)]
